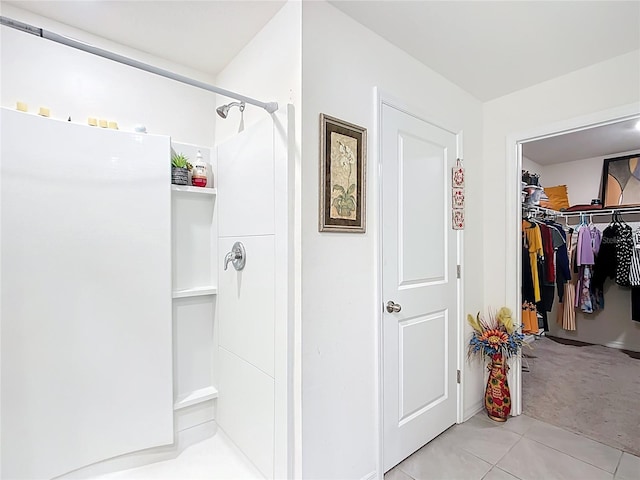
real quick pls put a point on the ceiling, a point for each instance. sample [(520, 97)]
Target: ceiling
[(488, 48), (493, 48), (202, 35), (594, 142)]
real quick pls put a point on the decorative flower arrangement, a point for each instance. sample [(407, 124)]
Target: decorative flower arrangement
[(495, 334)]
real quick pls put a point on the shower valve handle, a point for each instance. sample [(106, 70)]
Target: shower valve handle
[(237, 256)]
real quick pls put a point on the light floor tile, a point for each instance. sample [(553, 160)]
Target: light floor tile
[(496, 474), (520, 424), (215, 458), (629, 468), (396, 474), (530, 460), (489, 442), (440, 459), (582, 448)]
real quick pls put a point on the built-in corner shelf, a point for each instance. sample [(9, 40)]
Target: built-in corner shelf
[(196, 190), (197, 396), (195, 292)]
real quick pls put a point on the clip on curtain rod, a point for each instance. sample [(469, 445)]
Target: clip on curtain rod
[(270, 107)]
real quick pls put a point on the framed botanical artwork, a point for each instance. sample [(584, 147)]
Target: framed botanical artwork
[(343, 158), (621, 181)]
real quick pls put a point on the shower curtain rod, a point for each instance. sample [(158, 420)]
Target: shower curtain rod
[(40, 32)]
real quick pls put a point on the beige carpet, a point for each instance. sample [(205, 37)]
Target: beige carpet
[(590, 389)]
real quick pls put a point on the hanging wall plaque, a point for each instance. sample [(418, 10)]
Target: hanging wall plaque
[(457, 196), (458, 219)]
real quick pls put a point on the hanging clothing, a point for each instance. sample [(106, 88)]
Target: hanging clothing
[(529, 318), (563, 272), (534, 242), (528, 294), (586, 300), (606, 263), (547, 248), (634, 269), (588, 244), (635, 304), (624, 250), (568, 312), (568, 319), (584, 255)]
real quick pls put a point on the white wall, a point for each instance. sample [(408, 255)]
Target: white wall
[(80, 85), (267, 69), (531, 166), (598, 88), (342, 63), (583, 178)]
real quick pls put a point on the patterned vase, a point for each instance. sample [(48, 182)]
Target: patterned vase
[(497, 398)]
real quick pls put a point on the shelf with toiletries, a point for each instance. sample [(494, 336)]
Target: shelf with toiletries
[(194, 286), (194, 190)]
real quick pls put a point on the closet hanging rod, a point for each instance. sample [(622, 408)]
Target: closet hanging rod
[(270, 107), (608, 211)]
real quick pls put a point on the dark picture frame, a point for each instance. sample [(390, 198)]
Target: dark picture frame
[(621, 181), (343, 158)]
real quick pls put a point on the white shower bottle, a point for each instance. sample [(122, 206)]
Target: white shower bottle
[(199, 172)]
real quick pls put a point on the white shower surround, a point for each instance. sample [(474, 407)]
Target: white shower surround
[(86, 315)]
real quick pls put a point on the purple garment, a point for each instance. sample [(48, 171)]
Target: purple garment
[(585, 248)]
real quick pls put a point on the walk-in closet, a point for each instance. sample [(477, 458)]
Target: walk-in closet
[(580, 281)]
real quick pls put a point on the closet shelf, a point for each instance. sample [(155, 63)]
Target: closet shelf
[(195, 292), (604, 211), (196, 190), (197, 396)]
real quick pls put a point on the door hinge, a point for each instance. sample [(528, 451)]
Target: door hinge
[(458, 376), (458, 269)]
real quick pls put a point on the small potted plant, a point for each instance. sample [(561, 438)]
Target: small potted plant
[(179, 169)]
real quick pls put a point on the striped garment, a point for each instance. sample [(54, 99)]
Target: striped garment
[(634, 269)]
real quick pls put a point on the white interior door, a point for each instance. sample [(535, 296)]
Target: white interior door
[(419, 276)]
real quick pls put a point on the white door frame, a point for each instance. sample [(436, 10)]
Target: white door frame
[(514, 212), (383, 98)]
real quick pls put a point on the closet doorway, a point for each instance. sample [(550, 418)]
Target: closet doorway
[(575, 365)]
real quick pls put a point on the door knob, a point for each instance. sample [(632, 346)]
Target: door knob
[(393, 307)]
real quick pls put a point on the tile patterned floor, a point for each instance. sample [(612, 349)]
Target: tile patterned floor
[(522, 448), (480, 449)]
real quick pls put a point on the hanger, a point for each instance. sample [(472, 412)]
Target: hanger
[(583, 220), (614, 219)]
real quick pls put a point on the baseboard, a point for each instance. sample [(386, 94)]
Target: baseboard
[(623, 346), (472, 410), (619, 345), (183, 439), (370, 476)]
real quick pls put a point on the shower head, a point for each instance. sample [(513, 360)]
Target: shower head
[(224, 109)]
